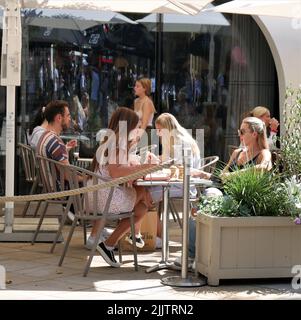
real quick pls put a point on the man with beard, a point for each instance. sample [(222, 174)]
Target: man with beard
[(50, 144)]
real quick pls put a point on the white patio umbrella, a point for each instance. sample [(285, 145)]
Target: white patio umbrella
[(74, 19), (276, 8), (183, 23), (11, 57), (146, 6)]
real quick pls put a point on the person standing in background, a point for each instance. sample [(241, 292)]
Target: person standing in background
[(94, 119), (143, 104), (271, 124)]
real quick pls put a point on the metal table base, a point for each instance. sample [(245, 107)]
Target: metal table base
[(165, 263), (162, 265), (178, 281)]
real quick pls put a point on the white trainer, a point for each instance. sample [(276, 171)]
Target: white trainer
[(103, 236), (70, 218), (139, 241)]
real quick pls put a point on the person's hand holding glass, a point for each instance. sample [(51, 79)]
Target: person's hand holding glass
[(72, 144), (151, 158)]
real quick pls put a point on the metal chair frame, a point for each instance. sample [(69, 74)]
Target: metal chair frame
[(53, 177), (207, 164), (85, 212), (31, 173)]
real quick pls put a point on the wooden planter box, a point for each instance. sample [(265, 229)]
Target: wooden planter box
[(246, 247)]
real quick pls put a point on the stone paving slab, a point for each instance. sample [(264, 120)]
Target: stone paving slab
[(33, 273)]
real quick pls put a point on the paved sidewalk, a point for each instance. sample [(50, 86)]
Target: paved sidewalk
[(32, 273)]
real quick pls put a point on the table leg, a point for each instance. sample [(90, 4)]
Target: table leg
[(184, 280), (164, 263)]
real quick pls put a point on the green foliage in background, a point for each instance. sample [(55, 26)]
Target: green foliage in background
[(290, 140)]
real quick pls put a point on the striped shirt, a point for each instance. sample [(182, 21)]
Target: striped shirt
[(52, 146)]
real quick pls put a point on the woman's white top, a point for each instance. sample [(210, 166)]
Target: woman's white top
[(35, 136), (139, 105)]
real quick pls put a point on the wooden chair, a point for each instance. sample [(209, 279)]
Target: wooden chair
[(79, 177), (53, 176), (92, 213), (31, 173)]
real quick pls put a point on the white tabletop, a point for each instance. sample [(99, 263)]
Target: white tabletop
[(164, 183), (85, 159), (75, 136)]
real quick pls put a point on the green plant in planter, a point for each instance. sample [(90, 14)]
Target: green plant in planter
[(251, 193), (291, 137), (293, 187), (219, 205)]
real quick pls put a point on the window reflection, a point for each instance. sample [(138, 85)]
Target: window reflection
[(212, 72), (212, 79)]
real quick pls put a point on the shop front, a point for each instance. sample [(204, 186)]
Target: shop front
[(209, 73)]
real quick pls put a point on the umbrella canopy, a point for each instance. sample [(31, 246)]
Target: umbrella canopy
[(133, 39), (183, 23), (67, 37), (73, 19), (147, 6), (276, 8)]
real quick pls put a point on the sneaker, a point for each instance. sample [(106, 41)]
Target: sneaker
[(158, 243), (90, 241), (103, 236), (139, 241), (108, 255), (191, 263), (70, 218)]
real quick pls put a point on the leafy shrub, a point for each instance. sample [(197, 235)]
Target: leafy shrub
[(220, 206), (251, 193)]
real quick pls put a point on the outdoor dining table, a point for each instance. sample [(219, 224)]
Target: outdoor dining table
[(166, 184)]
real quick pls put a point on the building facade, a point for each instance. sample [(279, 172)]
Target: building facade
[(208, 72)]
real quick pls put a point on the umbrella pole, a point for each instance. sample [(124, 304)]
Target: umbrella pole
[(10, 156), (10, 77)]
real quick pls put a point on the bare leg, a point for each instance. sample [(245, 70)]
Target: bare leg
[(124, 225), (143, 197), (96, 226)]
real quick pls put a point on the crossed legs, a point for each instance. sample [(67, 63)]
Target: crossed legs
[(143, 202)]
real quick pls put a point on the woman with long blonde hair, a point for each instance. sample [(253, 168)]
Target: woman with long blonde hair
[(255, 147), (172, 135), (254, 150), (254, 153), (174, 138)]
